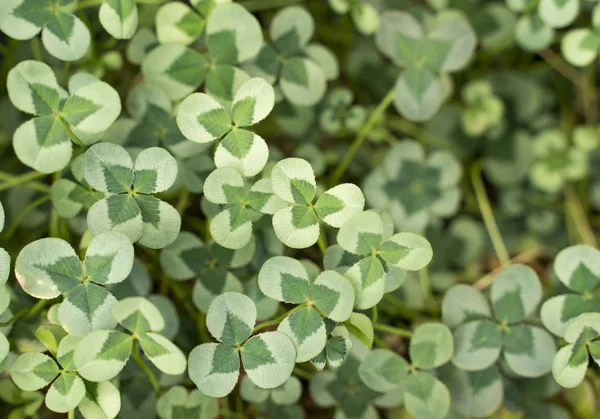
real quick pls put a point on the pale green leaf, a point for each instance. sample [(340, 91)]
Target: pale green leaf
[(66, 37), (307, 330), (515, 293), (333, 295), (164, 354), (65, 393), (92, 108), (214, 368), (177, 23), (138, 315), (231, 318), (32, 371), (253, 102), (361, 234), (155, 170), (269, 359), (244, 151), (101, 400), (101, 355), (87, 308), (431, 346), (161, 222), (202, 119), (119, 18), (108, 168), (284, 279), (382, 370), (407, 251), (463, 303), (32, 88), (211, 284), (477, 345), (426, 397), (339, 204)]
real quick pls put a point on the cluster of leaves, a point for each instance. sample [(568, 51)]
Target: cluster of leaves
[(299, 208)]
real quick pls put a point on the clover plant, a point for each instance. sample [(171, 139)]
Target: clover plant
[(299, 208)]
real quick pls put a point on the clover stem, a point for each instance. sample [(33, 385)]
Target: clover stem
[(73, 136), (35, 49), (36, 186), (360, 138), (143, 366), (322, 242), (183, 202), (33, 205), (71, 414), (298, 372), (26, 313), (381, 343), (425, 284), (579, 217), (488, 215), (11, 180), (374, 315), (277, 320), (391, 329)]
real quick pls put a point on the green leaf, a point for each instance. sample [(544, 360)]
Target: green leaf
[(66, 351), (296, 226), (175, 68), (477, 345), (253, 102), (119, 18), (333, 295), (213, 283), (185, 258), (101, 400), (293, 180), (32, 88), (67, 197), (165, 355), (23, 19), (407, 251), (532, 33), (155, 170), (177, 23), (291, 29), (580, 47), (232, 228), (367, 276), (48, 268), (325, 58), (307, 330), (570, 365), (92, 108), (233, 35), (117, 213), (456, 38), (578, 267), (284, 279), (419, 94), (108, 168), (202, 119), (242, 150), (336, 350), (269, 359), (302, 82), (529, 350), (339, 204), (101, 355), (176, 400), (138, 315), (50, 335), (223, 81), (262, 198), (515, 293), (362, 234), (87, 308), (288, 393), (32, 371), (463, 303), (43, 144), (431, 346), (361, 327), (65, 393), (426, 397), (66, 37), (558, 13), (231, 318), (161, 222), (382, 370), (214, 368), (109, 258)]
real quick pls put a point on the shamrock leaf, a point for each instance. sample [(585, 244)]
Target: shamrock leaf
[(268, 358)]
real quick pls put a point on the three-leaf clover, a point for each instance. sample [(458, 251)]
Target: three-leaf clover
[(329, 295), (415, 189), (233, 36), (481, 337), (338, 114), (431, 346), (300, 69), (364, 15), (556, 162), (297, 224), (202, 119), (33, 371), (426, 53), (571, 361), (337, 346), (50, 267), (232, 227), (101, 355), (268, 358), (43, 143), (378, 255), (578, 268), (484, 110), (64, 35), (129, 208)]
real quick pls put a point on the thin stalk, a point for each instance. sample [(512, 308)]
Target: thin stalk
[(374, 315), (26, 312), (425, 284), (12, 181), (322, 242), (144, 367), (381, 343), (36, 186), (33, 205), (276, 320), (183, 202), (391, 329), (35, 49), (579, 217), (524, 257), (360, 138), (488, 215), (73, 136), (305, 375), (71, 414)]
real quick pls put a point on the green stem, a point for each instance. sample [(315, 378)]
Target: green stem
[(391, 329), (425, 284), (256, 5), (33, 205), (305, 375), (144, 367), (374, 315), (183, 202), (12, 181), (35, 49), (579, 217), (399, 305), (88, 3), (26, 312), (488, 215), (360, 138), (380, 342), (276, 320), (71, 414), (322, 242), (73, 136)]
